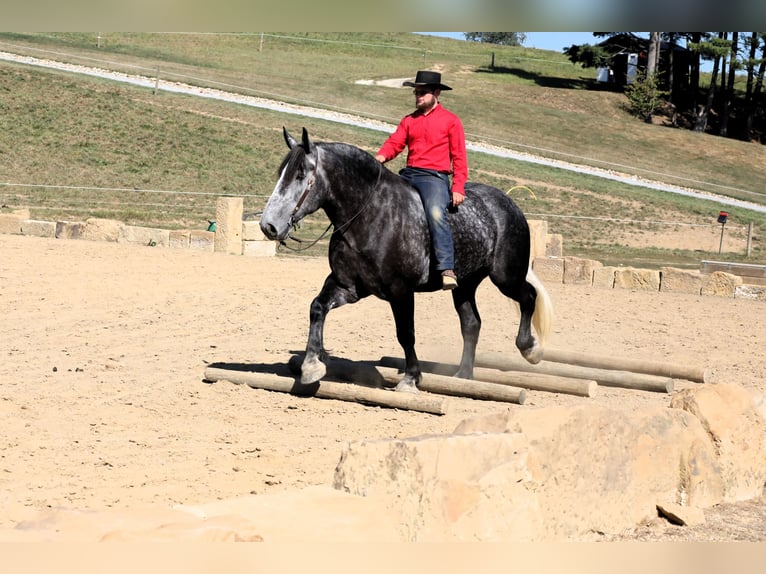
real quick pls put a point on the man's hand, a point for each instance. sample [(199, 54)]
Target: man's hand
[(457, 198)]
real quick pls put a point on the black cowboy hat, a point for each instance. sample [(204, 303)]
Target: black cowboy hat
[(427, 78)]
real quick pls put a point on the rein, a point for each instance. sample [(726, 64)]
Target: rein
[(338, 229)]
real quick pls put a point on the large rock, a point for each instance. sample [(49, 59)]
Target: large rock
[(720, 284), (97, 229), (38, 228), (10, 223), (538, 231), (605, 470), (318, 514), (604, 277), (638, 279), (549, 269), (541, 474), (69, 229), (737, 429), (144, 236), (228, 228), (680, 280), (554, 245), (578, 271), (448, 487)]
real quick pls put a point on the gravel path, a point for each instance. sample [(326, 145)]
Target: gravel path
[(350, 119)]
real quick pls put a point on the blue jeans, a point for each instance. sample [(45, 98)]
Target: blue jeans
[(434, 190)]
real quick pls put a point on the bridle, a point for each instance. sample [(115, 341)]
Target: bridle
[(339, 229), (304, 195)]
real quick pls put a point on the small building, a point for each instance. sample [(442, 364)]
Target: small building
[(629, 56)]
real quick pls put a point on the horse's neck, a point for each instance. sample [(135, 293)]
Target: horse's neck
[(347, 193)]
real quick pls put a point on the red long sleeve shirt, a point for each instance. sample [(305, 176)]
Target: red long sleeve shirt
[(434, 141)]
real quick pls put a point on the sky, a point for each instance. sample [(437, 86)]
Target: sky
[(555, 41)]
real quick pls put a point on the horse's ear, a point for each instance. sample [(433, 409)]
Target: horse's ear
[(290, 140), (308, 145)]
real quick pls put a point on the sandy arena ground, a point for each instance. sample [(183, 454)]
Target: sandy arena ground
[(104, 347)]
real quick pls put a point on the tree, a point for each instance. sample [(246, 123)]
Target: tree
[(754, 80), (653, 57), (500, 38), (728, 93), (714, 48), (588, 56), (645, 95)]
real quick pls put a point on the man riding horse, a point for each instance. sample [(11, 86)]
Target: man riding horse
[(435, 144)]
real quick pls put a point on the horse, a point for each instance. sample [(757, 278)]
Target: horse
[(380, 245)]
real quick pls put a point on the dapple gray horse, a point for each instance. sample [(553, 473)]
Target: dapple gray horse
[(381, 246)]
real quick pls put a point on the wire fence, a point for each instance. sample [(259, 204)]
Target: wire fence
[(192, 209), (183, 209)]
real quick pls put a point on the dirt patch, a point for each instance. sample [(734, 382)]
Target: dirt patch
[(104, 348)]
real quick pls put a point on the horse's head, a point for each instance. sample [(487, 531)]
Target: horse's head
[(294, 196)]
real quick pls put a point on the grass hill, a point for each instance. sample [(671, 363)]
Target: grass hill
[(74, 146)]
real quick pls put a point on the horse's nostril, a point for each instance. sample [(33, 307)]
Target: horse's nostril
[(268, 230)]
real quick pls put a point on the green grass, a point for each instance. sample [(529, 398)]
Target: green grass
[(128, 146)]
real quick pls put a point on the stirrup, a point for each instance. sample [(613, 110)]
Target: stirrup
[(449, 281)]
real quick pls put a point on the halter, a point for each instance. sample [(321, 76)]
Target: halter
[(341, 228), (304, 195)]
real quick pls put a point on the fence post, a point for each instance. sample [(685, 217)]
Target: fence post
[(749, 238), (228, 225), (157, 81)]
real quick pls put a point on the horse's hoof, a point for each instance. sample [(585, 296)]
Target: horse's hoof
[(312, 371), (534, 354), (406, 386)]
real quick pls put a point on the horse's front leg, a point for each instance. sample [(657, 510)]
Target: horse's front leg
[(403, 309), (332, 295), (464, 299)]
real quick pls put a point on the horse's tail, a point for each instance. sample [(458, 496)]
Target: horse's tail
[(542, 318)]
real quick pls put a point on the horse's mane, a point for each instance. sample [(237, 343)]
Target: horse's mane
[(293, 158), (352, 158)]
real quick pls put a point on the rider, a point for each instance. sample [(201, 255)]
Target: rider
[(436, 148)]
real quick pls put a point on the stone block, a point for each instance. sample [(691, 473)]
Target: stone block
[(447, 487), (680, 280), (10, 223), (101, 229), (38, 228), (259, 248), (554, 245), (251, 231), (720, 284), (639, 279), (144, 236), (754, 292), (737, 430), (69, 229), (179, 239), (228, 225), (601, 469), (578, 271), (550, 269), (202, 240), (603, 277), (538, 230)]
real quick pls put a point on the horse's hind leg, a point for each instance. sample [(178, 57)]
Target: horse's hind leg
[(524, 293), (332, 295)]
